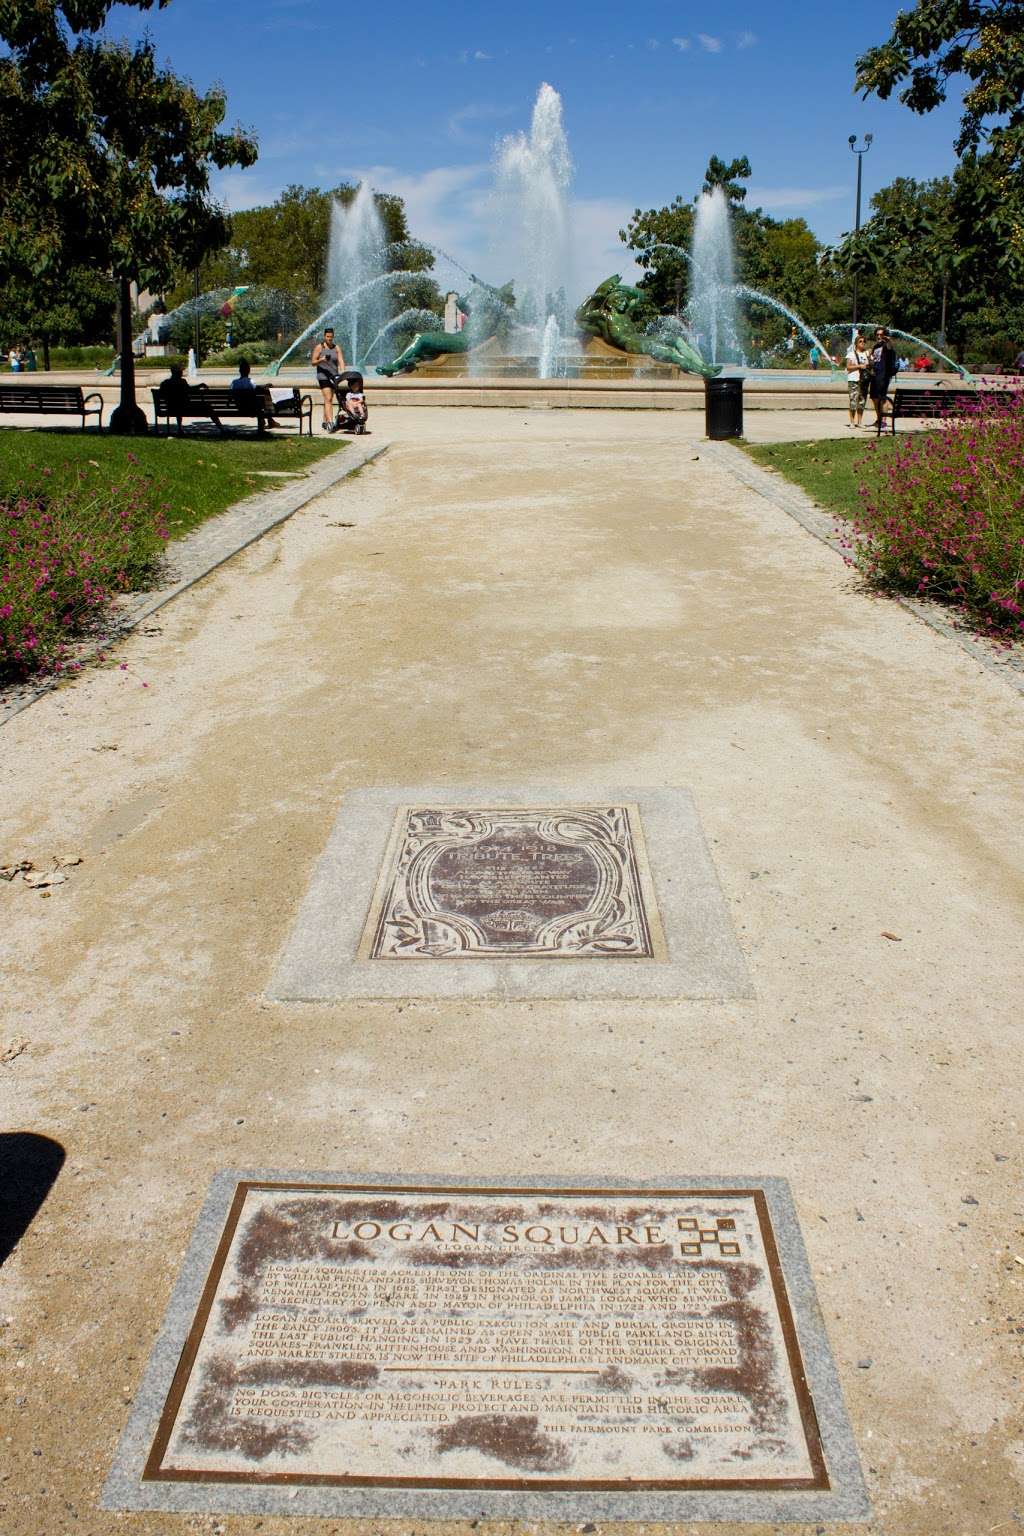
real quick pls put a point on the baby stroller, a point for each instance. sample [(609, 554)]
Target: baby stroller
[(352, 410)]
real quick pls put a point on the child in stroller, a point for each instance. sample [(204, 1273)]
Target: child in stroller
[(352, 411)]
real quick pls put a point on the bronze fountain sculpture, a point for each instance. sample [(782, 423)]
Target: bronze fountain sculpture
[(620, 315), (490, 314)]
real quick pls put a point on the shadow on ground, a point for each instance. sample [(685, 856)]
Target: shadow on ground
[(29, 1166)]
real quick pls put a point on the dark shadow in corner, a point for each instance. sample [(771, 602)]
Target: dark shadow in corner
[(29, 1166)]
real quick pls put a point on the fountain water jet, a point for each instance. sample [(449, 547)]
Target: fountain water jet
[(866, 327), (408, 320), (712, 307), (530, 228), (754, 296), (334, 311), (355, 258)]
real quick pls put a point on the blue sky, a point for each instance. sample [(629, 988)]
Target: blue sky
[(414, 97)]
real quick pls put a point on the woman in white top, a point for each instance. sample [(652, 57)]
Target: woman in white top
[(857, 361)]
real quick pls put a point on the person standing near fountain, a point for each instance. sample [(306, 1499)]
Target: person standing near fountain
[(857, 361), (883, 371), (328, 362)]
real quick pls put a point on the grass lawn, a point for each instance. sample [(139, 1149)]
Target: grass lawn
[(828, 470), (198, 476)]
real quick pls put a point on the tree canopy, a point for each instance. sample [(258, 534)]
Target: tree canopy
[(283, 246), (729, 177), (976, 240), (779, 256), (940, 40), (105, 158)]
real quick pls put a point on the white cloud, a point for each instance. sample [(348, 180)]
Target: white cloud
[(708, 43), (682, 43), (480, 54), (653, 44), (746, 40), (443, 207), (793, 197), (235, 190), (459, 123), (597, 250)]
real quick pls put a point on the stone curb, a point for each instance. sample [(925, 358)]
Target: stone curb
[(807, 512), (211, 545)]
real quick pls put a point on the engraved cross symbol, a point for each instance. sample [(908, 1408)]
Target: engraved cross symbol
[(695, 1238)]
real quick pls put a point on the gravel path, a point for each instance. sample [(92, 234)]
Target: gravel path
[(530, 596)]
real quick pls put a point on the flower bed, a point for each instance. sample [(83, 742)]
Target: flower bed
[(68, 545), (942, 515)]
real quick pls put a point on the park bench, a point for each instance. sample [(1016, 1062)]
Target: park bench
[(50, 400), (215, 402), (295, 405), (938, 401)]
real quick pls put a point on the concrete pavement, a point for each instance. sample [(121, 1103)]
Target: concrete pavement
[(566, 597)]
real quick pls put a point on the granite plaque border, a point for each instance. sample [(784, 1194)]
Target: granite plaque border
[(842, 1497), (697, 955)]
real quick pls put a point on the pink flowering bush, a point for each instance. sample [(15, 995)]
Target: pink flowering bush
[(68, 545), (942, 515)]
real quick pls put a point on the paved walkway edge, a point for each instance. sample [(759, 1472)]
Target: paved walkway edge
[(809, 514), (211, 545)]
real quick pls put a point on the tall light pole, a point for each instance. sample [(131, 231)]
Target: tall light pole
[(860, 152)]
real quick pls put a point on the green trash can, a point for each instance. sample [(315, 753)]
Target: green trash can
[(723, 408)]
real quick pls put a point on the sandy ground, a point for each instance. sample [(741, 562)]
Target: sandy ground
[(567, 597)]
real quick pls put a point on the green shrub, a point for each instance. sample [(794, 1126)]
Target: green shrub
[(257, 352), (81, 357), (68, 545), (943, 515)]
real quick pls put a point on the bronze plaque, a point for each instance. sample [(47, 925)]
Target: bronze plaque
[(491, 883), (416, 1336)]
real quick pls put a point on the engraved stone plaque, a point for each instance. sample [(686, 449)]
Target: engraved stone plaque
[(482, 891), (495, 1337), (355, 1338), (531, 883)]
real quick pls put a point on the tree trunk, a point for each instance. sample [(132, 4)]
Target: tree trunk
[(127, 419), (46, 353)]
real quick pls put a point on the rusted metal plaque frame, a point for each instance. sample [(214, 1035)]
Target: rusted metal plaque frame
[(619, 921), (833, 1491)]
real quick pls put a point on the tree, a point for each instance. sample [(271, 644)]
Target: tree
[(932, 45), (106, 160), (284, 246), (729, 177), (906, 255), (940, 40), (779, 257), (78, 307)]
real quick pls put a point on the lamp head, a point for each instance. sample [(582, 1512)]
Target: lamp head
[(853, 139), (868, 138)]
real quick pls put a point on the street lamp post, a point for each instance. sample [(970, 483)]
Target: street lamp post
[(196, 332), (860, 152)]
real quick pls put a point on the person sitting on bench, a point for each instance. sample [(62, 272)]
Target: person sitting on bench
[(175, 391), (243, 381)]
